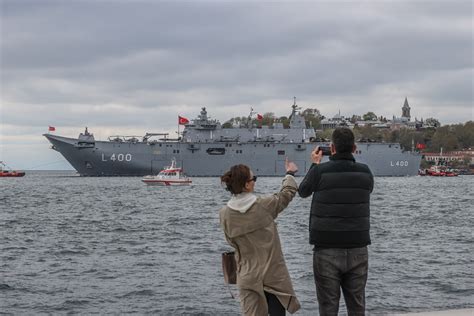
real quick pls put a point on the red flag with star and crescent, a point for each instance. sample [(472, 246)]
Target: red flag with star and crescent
[(420, 146), (182, 120)]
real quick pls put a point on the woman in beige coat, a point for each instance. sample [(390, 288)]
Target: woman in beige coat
[(249, 227)]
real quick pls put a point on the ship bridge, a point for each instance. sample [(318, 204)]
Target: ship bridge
[(203, 129), (296, 119), (203, 122)]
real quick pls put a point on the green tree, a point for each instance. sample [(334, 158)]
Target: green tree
[(268, 118), (355, 118), (432, 122), (312, 117), (394, 136), (465, 134), (285, 120), (227, 124), (369, 116), (428, 135), (235, 120), (367, 133), (444, 138), (408, 138), (326, 134)]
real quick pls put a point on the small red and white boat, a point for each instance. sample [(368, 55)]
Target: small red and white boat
[(170, 175), (438, 171), (9, 172)]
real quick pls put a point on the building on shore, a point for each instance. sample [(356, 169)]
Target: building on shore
[(336, 121), (396, 123), (450, 156)]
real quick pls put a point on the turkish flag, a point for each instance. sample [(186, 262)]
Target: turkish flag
[(182, 120), (420, 146), (259, 117), (51, 128)]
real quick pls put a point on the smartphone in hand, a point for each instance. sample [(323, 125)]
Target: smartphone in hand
[(325, 149)]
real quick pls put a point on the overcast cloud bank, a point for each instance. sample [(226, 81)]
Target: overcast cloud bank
[(128, 67)]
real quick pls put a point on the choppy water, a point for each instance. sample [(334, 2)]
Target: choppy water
[(113, 245)]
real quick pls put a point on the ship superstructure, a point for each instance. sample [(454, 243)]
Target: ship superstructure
[(208, 149)]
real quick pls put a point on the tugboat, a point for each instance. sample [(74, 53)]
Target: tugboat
[(170, 175), (8, 172), (438, 171)]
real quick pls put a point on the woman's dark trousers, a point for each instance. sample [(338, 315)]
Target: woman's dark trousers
[(274, 306)]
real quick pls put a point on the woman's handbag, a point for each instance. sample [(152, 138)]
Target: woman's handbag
[(229, 267)]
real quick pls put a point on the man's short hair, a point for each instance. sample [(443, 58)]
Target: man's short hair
[(343, 140)]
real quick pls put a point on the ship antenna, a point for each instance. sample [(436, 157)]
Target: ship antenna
[(293, 107), (249, 119)]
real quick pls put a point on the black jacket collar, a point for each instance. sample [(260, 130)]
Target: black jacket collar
[(342, 156)]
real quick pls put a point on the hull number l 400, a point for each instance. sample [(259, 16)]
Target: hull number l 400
[(399, 163), (117, 157)]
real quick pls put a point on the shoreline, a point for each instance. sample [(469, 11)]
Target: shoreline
[(449, 312)]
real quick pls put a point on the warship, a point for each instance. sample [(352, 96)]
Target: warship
[(205, 148)]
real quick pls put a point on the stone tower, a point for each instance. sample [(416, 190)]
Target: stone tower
[(406, 110)]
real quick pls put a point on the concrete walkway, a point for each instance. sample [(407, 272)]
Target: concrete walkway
[(453, 312)]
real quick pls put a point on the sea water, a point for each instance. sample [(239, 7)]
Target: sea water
[(73, 244)]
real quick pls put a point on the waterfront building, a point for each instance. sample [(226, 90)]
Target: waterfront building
[(404, 121), (337, 120), (449, 156)]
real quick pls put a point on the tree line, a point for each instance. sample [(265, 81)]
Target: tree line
[(449, 137)]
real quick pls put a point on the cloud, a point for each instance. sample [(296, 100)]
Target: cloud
[(128, 64)]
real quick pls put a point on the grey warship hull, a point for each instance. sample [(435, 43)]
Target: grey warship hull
[(207, 149), (210, 159)]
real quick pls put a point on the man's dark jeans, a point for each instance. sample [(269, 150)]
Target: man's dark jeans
[(341, 268)]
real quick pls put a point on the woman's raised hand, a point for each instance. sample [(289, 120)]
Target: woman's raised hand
[(290, 166)]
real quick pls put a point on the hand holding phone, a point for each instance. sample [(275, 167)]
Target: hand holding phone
[(316, 155), (325, 149)]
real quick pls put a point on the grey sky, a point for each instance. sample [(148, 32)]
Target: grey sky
[(128, 67)]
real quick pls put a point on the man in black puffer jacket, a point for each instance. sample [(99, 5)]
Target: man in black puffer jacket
[(339, 224)]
